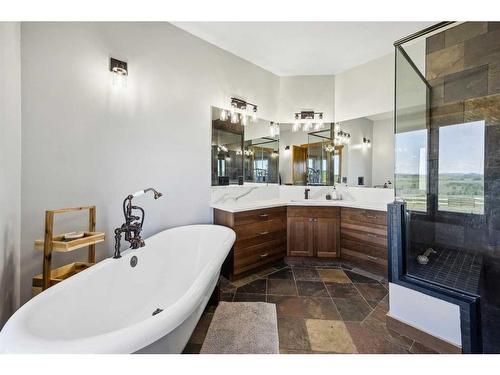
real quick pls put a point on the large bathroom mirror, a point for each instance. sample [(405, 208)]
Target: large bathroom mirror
[(355, 153), (227, 146), (369, 155), (261, 160), (308, 158), (244, 150)]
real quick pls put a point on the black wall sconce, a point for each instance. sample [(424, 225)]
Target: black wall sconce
[(287, 148), (118, 67), (366, 141), (119, 70)]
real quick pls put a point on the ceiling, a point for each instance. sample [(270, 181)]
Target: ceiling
[(304, 48)]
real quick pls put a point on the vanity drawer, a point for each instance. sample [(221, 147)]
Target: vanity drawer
[(255, 256), (372, 251), (380, 230), (314, 212), (364, 261), (257, 216), (254, 241), (259, 229), (357, 215), (367, 237)]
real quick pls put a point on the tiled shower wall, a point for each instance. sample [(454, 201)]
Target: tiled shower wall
[(463, 69)]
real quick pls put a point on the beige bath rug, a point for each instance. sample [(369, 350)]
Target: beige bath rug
[(243, 328)]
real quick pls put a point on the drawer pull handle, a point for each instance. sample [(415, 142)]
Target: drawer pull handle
[(372, 216), (372, 235), (264, 233), (263, 216), (371, 257), (264, 255)]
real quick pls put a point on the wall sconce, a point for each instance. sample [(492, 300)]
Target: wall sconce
[(274, 154), (366, 142), (287, 148), (119, 69)]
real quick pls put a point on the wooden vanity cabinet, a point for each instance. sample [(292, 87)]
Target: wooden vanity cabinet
[(313, 231), (260, 238), (364, 239)]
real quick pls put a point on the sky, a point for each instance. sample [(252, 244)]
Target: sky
[(461, 149)]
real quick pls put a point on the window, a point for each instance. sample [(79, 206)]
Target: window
[(461, 168), (411, 168)]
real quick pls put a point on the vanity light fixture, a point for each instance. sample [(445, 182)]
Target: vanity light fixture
[(119, 69), (340, 137), (329, 148), (274, 129), (239, 111), (308, 121)]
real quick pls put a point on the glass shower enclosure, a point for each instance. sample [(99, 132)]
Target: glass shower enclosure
[(446, 232)]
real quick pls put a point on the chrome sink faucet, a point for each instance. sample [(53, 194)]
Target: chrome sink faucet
[(133, 224)]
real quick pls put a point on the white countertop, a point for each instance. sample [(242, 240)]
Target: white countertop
[(255, 205)]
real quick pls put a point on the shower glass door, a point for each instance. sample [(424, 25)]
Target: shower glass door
[(447, 170)]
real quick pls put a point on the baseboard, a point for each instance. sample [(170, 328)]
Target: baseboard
[(425, 338)]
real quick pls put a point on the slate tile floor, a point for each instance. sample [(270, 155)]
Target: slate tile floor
[(320, 310)]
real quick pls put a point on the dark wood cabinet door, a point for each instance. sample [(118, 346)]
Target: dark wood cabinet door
[(326, 237), (300, 233)]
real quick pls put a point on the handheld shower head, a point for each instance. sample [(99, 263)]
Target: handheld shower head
[(141, 192)]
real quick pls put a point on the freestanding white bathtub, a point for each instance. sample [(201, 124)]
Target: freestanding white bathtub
[(109, 307)]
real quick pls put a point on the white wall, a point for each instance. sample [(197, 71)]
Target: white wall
[(383, 151), (299, 93), (429, 314), (365, 90), (357, 157), (10, 167), (87, 142)]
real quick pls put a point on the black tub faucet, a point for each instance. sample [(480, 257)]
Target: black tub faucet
[(306, 193), (133, 224)]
